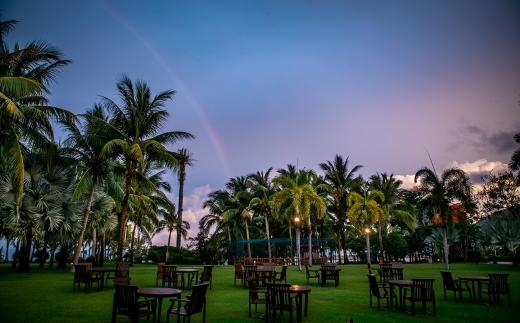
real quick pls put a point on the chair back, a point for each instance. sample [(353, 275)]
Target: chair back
[(125, 299), (385, 272), (239, 273), (396, 264), (88, 264), (270, 265), (253, 291), (122, 280), (279, 296), (447, 280), (251, 271), (159, 269), (197, 300), (169, 273), (422, 289), (283, 274), (307, 271), (206, 274), (374, 288), (81, 273), (498, 283), (123, 269)]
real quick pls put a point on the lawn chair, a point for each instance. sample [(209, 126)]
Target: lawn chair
[(83, 275), (239, 274), (206, 276), (496, 285), (159, 273), (170, 276), (195, 303), (279, 298), (282, 277), (122, 270), (126, 303), (421, 291), (375, 290), (308, 274), (253, 295), (453, 285)]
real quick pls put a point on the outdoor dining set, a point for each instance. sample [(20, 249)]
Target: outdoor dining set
[(420, 290), (126, 296)]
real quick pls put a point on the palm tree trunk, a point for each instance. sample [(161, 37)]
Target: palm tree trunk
[(445, 242), (44, 249), (7, 249), (17, 253), (25, 253), (94, 246), (290, 238), (268, 235), (168, 246), (77, 249), (132, 243), (124, 218), (62, 262), (229, 244), (53, 251), (101, 250), (182, 175), (310, 242), (247, 236), (298, 247), (380, 239)]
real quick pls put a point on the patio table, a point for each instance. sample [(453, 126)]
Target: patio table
[(159, 293), (473, 279), (102, 271), (401, 284), (192, 272), (301, 290)]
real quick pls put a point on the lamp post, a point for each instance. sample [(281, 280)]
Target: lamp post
[(297, 226), (367, 231)]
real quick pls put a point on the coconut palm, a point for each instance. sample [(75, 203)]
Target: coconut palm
[(25, 117), (339, 181), (238, 203), (262, 191), (185, 159), (437, 194), (299, 198), (133, 131), (393, 205)]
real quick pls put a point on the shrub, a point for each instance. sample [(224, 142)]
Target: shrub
[(152, 256), (474, 256), (177, 259)]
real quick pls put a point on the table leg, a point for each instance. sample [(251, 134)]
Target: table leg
[(306, 303), (159, 300), (102, 280), (299, 311)]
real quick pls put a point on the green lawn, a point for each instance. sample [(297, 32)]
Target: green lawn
[(45, 295)]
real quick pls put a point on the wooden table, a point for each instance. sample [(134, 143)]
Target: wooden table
[(473, 279), (261, 272), (330, 273), (192, 272), (102, 271), (159, 293), (301, 290), (401, 284)]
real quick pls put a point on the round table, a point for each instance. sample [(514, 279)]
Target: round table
[(473, 279), (192, 272), (159, 293), (301, 290), (102, 271)]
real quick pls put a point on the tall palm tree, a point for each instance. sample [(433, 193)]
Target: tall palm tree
[(262, 191), (439, 193), (238, 203), (185, 159), (133, 131), (339, 181), (514, 164), (298, 196), (393, 205), (94, 166), (25, 117)]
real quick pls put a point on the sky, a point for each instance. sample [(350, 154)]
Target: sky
[(270, 83)]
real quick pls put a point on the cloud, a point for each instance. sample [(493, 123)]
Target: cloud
[(501, 142), (192, 212), (475, 171)]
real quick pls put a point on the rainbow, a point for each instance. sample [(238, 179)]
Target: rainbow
[(192, 100)]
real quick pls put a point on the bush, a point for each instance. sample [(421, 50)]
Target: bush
[(177, 259), (90, 259), (152, 256)]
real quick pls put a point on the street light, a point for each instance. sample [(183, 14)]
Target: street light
[(297, 225), (367, 231)]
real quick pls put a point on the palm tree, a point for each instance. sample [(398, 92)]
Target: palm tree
[(339, 182), (393, 205), (169, 222), (262, 191), (238, 203), (25, 117), (133, 131), (506, 233), (298, 196), (94, 166), (438, 195), (185, 159)]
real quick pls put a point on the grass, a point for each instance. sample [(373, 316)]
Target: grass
[(45, 295)]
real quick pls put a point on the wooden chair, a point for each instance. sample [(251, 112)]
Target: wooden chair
[(282, 277), (350, 320), (308, 274), (385, 273), (83, 275), (126, 303), (397, 270), (279, 298), (195, 303), (126, 281), (170, 276), (253, 294), (375, 290), (329, 274), (159, 273), (453, 285), (267, 276), (122, 270), (239, 274), (496, 285), (206, 276), (421, 291)]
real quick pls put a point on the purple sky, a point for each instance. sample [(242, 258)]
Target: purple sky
[(271, 83)]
